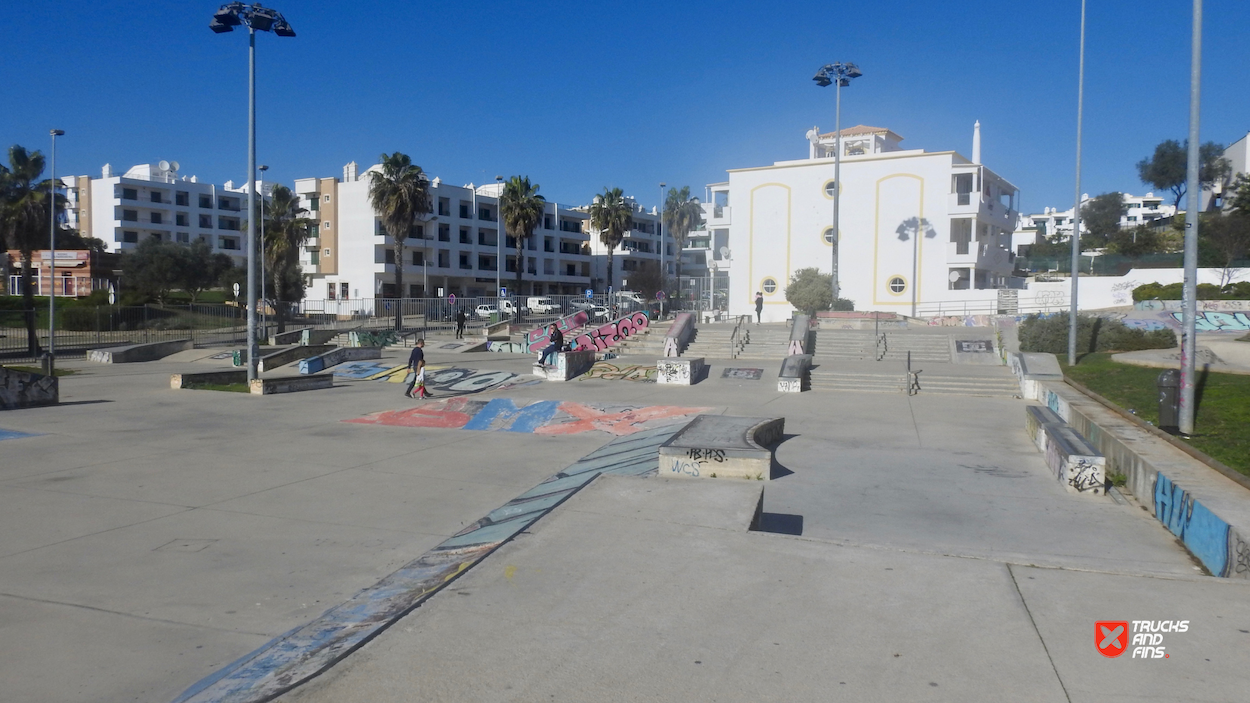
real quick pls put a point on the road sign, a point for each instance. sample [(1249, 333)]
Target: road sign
[(451, 298), (236, 290), (112, 295), (590, 293), (659, 295), (503, 292)]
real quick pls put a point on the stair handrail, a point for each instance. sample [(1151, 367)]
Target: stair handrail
[(740, 337)]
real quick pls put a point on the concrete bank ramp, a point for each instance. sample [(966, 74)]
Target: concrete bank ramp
[(722, 446), (131, 353)]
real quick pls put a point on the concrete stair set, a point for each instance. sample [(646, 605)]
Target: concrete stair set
[(860, 345)]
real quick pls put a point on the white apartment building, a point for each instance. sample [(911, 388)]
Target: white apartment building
[(457, 248), (151, 201), (706, 257), (1138, 210), (917, 227), (641, 243)]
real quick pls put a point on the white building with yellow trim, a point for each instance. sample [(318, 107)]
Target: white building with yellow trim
[(917, 228)]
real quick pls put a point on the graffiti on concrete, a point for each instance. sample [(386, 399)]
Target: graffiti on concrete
[(1203, 305), (743, 374), (1241, 556), (678, 373), (612, 333), (621, 372), (1084, 475), (14, 434), (544, 417), (1204, 321), (299, 655), (537, 339), (20, 389), (1216, 321), (451, 380), (974, 346), (1205, 534), (508, 347)]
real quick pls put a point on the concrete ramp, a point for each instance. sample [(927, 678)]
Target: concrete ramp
[(720, 446), (22, 389), (152, 351)]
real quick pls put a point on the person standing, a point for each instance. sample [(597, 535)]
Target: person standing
[(416, 363), (460, 320), (759, 306), (556, 339)]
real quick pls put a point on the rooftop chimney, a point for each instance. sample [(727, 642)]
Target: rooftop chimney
[(349, 172), (976, 142)]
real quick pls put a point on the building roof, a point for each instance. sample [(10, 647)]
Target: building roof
[(864, 129)]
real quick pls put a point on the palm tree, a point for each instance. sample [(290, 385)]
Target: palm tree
[(285, 232), (520, 209), (682, 214), (24, 222), (399, 193), (612, 217)]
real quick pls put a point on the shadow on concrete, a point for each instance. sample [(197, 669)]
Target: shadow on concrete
[(63, 403), (780, 523)]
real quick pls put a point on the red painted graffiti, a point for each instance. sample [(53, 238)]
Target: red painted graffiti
[(613, 332), (447, 415), (537, 339)]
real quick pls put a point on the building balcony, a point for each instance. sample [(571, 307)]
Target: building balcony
[(720, 216)]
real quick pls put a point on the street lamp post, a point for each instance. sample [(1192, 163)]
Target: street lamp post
[(1193, 201), (662, 230), (264, 318), (499, 237), (52, 265), (255, 17), (839, 75), (1076, 209)]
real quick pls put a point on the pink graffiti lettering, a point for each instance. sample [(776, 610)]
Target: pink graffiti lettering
[(610, 334), (536, 339), (617, 423)]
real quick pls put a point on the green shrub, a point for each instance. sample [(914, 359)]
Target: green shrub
[(1093, 334), (1206, 291)]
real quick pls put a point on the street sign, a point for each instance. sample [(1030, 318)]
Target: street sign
[(451, 298), (590, 293), (503, 292), (236, 290), (112, 295), (659, 295)]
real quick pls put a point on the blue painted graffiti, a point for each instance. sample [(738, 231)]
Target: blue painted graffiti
[(1205, 534), (1218, 321), (502, 414), (14, 434)]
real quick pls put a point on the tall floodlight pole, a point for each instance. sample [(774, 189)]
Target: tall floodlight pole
[(499, 237), (839, 75), (1193, 199), (52, 247), (1076, 209), (264, 317), (254, 17), (659, 227)]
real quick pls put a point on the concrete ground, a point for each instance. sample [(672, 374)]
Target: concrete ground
[(148, 537)]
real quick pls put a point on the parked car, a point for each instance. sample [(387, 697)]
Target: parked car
[(599, 312), (508, 307), (541, 305), (484, 312), (582, 304), (629, 296)]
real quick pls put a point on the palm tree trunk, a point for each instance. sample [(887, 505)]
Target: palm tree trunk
[(278, 307), (28, 304), (520, 262), (399, 282), (608, 286)]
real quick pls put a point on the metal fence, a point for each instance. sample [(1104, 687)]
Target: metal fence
[(80, 327)]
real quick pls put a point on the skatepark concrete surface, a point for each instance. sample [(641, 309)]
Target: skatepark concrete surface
[(1216, 352), (915, 549)]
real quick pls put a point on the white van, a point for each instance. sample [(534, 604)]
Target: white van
[(507, 307), (541, 305), (629, 296)]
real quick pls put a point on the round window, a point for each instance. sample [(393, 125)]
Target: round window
[(897, 285), (769, 285), (830, 188), (827, 236)]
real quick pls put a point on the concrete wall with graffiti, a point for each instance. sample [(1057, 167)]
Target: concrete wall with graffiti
[(20, 389), (1204, 509), (613, 332), (543, 417), (537, 339), (1205, 321)]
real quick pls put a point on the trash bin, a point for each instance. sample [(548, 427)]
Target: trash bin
[(1169, 384), (237, 357)]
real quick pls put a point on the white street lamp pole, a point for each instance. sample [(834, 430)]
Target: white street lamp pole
[(1076, 210), (52, 264), (838, 75), (1193, 202), (263, 275), (662, 230)]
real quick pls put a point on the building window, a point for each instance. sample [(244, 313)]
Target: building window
[(464, 211), (444, 207), (206, 202), (344, 291), (325, 226), (829, 188), (330, 290), (326, 198), (130, 215), (181, 219), (444, 233), (156, 218), (130, 237), (229, 243), (464, 236), (389, 256), (897, 285), (130, 194), (314, 258), (464, 261), (769, 285), (156, 196), (325, 252), (183, 237), (182, 198), (418, 258), (827, 236), (206, 221)]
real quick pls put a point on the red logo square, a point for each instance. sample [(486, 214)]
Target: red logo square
[(1111, 637)]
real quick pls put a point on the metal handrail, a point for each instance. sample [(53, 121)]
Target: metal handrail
[(740, 337)]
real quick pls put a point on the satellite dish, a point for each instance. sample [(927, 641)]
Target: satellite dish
[(173, 165), (163, 165), (724, 252), (954, 276)]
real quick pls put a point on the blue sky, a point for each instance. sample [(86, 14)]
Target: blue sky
[(584, 95)]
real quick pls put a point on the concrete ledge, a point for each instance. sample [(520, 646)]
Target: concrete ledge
[(800, 335), (719, 446), (272, 361), (1032, 369), (313, 338), (1036, 417), (182, 380), (291, 384), (679, 372), (1208, 512), (22, 389), (288, 337), (131, 353), (1079, 466), (321, 362), (569, 365), (793, 375)]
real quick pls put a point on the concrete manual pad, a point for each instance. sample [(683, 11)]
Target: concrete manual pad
[(691, 606)]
